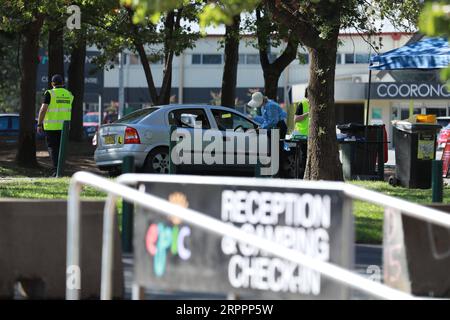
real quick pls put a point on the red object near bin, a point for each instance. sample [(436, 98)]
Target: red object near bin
[(446, 159)]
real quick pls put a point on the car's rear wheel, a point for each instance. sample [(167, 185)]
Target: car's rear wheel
[(157, 161), (114, 172)]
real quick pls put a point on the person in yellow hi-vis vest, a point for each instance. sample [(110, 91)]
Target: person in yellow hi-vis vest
[(302, 116), (56, 108), (301, 120)]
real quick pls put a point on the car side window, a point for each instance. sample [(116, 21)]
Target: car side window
[(4, 123), (187, 118), (227, 120), (15, 123)]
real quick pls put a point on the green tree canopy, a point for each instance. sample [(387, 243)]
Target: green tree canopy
[(435, 21)]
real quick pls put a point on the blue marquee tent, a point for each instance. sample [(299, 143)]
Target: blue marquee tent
[(425, 54), (429, 53)]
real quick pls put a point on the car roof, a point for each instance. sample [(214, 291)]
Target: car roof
[(199, 105), (206, 106)]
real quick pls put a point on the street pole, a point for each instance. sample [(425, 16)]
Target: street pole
[(62, 149), (121, 88), (100, 110), (437, 181)]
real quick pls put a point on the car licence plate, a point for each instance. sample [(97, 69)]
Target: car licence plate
[(110, 139)]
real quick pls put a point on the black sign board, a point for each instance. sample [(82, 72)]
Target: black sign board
[(409, 90), (93, 76), (175, 256)]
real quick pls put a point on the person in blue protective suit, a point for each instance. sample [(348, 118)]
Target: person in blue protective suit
[(272, 115)]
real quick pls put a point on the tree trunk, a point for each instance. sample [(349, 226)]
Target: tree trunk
[(229, 78), (272, 71), (76, 86), (271, 79), (147, 71), (144, 59), (55, 53), (171, 25), (166, 86), (323, 155), (26, 150)]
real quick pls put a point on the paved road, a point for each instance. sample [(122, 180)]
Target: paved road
[(365, 256)]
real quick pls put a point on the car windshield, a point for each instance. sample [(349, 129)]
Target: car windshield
[(136, 116), (90, 118)]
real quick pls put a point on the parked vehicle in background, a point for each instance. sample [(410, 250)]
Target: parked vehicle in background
[(144, 134), (9, 129), (444, 134), (90, 123)]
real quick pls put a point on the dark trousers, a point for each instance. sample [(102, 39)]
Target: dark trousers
[(281, 125), (53, 138)]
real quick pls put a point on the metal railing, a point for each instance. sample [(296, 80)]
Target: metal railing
[(163, 207)]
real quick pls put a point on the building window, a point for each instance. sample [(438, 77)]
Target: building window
[(438, 112), (349, 58), (196, 59), (241, 59), (252, 59), (212, 59), (362, 58), (338, 58), (133, 59)]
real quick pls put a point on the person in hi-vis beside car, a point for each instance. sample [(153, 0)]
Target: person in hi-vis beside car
[(301, 120), (56, 108), (301, 117)]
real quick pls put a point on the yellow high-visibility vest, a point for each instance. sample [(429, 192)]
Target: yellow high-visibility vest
[(59, 109), (303, 126)]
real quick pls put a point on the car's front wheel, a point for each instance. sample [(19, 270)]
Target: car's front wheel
[(157, 161)]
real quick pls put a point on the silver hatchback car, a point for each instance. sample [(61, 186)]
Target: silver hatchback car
[(144, 134)]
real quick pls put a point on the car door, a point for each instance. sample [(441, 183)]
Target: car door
[(242, 131), (191, 122)]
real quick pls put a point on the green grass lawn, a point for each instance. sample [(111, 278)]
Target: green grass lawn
[(368, 217), (42, 188)]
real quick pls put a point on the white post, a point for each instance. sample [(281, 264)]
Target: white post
[(100, 110), (121, 88)]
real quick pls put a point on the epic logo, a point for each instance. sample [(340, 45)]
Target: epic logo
[(160, 238)]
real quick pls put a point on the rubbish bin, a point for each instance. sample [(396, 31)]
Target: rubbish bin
[(415, 148), (293, 166), (361, 146)]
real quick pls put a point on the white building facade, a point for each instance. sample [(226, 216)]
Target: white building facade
[(197, 73)]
